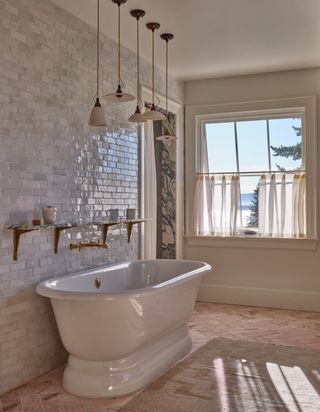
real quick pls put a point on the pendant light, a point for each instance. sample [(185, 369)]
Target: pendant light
[(153, 114), (167, 138), (119, 96), (97, 117), (137, 116)]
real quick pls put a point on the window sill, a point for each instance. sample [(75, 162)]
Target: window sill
[(252, 242)]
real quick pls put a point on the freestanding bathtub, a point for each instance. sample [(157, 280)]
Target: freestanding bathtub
[(123, 325)]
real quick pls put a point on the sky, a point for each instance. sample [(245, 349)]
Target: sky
[(252, 147)]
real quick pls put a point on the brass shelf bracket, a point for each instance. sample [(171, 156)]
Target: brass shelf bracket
[(16, 240), (57, 231), (130, 225), (106, 229)]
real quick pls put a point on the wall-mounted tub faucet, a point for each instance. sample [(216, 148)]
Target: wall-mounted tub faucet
[(83, 245)]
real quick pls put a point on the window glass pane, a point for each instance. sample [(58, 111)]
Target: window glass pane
[(221, 147), (248, 209), (253, 145), (286, 146)]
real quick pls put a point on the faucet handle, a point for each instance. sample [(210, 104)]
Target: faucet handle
[(102, 245)]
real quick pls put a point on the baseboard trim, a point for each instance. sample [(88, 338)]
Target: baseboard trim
[(271, 298)]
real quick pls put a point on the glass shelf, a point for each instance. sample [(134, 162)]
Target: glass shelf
[(21, 229)]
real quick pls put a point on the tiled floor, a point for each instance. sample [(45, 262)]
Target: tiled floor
[(280, 327), (236, 376)]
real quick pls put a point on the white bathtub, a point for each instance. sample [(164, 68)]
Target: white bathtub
[(127, 332)]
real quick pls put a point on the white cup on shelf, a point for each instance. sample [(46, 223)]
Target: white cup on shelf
[(113, 214), (131, 214)]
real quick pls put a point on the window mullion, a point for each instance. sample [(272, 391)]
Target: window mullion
[(203, 136), (237, 146), (269, 145), (238, 168)]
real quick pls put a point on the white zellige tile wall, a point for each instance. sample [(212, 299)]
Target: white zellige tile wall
[(48, 155)]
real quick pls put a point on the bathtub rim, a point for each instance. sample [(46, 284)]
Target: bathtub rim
[(45, 290)]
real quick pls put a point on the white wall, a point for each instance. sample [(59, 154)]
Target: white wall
[(249, 275)]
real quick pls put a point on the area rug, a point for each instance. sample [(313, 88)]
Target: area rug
[(227, 376)]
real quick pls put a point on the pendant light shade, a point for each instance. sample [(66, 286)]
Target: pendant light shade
[(153, 113), (137, 116), (97, 117), (167, 138), (119, 96)]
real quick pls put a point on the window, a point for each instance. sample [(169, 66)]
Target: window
[(250, 176)]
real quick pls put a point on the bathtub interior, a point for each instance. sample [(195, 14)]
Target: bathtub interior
[(126, 277)]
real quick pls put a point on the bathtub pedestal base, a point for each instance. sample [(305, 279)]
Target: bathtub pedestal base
[(117, 378)]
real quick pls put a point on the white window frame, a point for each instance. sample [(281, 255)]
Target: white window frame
[(196, 116)]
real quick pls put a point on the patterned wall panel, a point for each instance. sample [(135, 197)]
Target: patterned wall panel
[(166, 179)]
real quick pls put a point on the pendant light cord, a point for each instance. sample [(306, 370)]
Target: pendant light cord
[(138, 64), (119, 45), (167, 73), (153, 67), (98, 47)]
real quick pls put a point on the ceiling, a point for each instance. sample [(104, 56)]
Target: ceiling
[(215, 38)]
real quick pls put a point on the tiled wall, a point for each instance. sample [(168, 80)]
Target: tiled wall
[(48, 155)]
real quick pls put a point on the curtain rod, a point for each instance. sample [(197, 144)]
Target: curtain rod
[(262, 172)]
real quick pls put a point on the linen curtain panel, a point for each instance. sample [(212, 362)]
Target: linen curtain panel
[(216, 201), (282, 206), (216, 205), (150, 193)]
